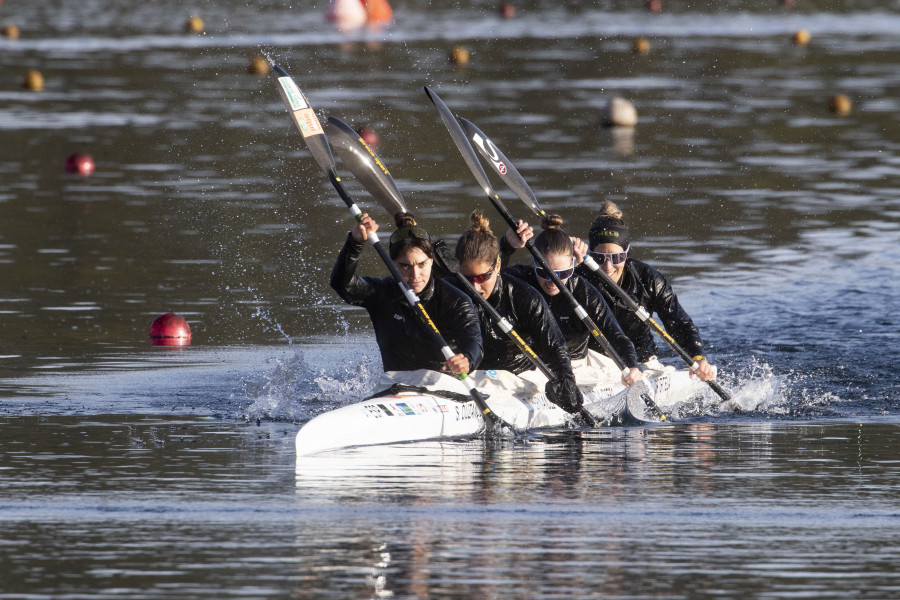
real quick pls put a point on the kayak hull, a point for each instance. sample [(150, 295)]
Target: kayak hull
[(411, 416)]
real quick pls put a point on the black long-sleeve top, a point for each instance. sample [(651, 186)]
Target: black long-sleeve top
[(405, 342), (528, 313), (578, 338), (649, 288)]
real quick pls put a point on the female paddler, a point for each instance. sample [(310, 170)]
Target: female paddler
[(559, 250), (478, 253), (609, 242), (402, 337)]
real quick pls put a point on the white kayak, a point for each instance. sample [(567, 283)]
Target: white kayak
[(425, 405)]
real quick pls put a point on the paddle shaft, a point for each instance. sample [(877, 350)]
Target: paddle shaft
[(317, 142)]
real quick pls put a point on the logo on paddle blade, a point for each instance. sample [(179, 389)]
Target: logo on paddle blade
[(501, 168)]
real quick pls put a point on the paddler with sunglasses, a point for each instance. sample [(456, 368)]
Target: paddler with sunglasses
[(609, 243), (478, 256), (402, 337), (560, 251)]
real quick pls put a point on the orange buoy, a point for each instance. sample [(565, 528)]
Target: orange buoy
[(11, 31), (378, 11), (194, 25), (80, 164), (258, 66), (33, 81), (840, 105), (459, 55), (640, 45), (801, 37), (654, 6), (170, 330)]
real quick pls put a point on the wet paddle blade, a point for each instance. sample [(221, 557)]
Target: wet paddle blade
[(503, 167), (306, 120), (459, 138), (365, 165)]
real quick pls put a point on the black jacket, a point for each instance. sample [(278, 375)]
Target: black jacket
[(405, 342), (649, 288), (528, 313), (577, 336)]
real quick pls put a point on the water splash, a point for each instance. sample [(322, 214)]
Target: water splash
[(296, 391)]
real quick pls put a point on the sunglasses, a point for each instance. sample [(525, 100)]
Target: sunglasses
[(563, 275), (615, 258), (484, 276), (410, 232)]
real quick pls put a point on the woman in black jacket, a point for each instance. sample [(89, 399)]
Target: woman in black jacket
[(609, 243), (523, 307), (403, 338), (557, 248)]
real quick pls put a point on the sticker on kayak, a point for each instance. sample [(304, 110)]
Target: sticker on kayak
[(292, 93), (308, 123)]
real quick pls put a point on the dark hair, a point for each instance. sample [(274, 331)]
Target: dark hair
[(409, 236), (553, 240), (478, 243), (609, 228)]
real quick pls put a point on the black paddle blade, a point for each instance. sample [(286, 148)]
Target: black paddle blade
[(505, 169), (459, 138), (306, 120), (365, 165)]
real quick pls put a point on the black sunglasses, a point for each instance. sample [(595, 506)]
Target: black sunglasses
[(484, 276), (563, 275), (615, 258)]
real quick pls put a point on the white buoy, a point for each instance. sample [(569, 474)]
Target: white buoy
[(347, 14), (619, 112)]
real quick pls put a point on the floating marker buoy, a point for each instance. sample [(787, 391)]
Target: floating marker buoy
[(507, 10), (640, 45), (170, 330), (33, 81), (369, 136), (80, 164), (619, 112), (459, 55), (378, 11), (347, 14), (840, 105), (11, 31), (801, 37), (259, 66), (194, 25)]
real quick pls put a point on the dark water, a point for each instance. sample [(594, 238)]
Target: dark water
[(132, 471)]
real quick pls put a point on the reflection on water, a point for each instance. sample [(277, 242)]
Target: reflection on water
[(131, 471)]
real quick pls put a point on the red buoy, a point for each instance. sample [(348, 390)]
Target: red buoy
[(79, 163), (170, 330), (369, 136)]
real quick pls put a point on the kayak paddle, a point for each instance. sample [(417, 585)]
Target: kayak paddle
[(471, 159), (510, 175), (314, 136), (369, 170)]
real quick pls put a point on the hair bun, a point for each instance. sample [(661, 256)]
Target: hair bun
[(480, 223), (551, 222), (609, 209), (405, 219)]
